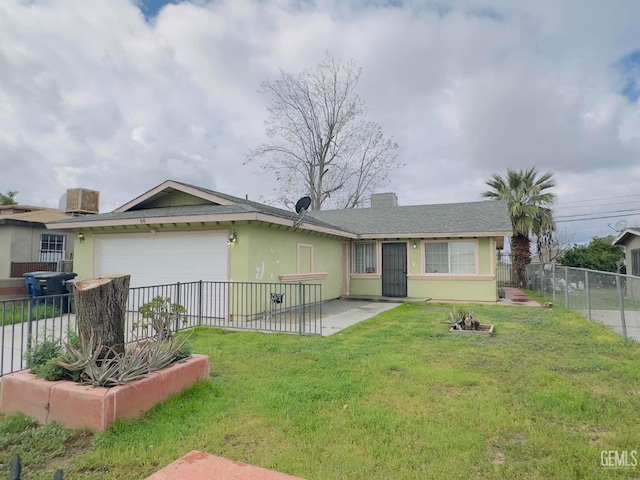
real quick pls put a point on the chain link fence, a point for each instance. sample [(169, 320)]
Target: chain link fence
[(609, 298)]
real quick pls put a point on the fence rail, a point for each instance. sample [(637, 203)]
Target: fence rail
[(609, 298), (18, 269), (266, 307)]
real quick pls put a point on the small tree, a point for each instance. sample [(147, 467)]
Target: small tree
[(600, 254), (530, 201), (162, 314), (321, 145), (8, 198)]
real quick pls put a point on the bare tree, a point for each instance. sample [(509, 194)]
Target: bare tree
[(321, 145), (550, 245)]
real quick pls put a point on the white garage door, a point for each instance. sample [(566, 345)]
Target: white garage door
[(164, 257)]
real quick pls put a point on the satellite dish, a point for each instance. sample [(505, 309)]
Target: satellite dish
[(302, 206), (62, 203), (621, 225)]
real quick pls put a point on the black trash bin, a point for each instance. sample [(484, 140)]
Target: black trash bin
[(53, 283)]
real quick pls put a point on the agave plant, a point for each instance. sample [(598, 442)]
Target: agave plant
[(462, 319), (134, 363)]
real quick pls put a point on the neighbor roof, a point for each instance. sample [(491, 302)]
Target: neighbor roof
[(622, 238), (451, 219), (40, 216)]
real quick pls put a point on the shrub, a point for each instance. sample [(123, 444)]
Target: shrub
[(42, 352), (162, 314)]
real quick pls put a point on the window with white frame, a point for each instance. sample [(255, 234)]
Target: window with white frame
[(364, 257), (450, 257), (635, 262), (51, 247)]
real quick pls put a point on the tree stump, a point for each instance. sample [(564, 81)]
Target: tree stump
[(101, 305)]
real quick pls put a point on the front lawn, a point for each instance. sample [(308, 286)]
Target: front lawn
[(395, 397)]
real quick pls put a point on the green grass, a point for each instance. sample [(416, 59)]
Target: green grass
[(20, 313), (395, 397)]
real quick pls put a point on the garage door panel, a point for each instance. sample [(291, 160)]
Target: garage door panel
[(163, 258)]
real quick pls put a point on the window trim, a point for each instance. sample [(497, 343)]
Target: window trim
[(376, 254), (299, 249), (46, 255), (476, 253), (635, 262)]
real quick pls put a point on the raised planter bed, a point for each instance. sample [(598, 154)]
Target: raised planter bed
[(78, 406), (483, 329)]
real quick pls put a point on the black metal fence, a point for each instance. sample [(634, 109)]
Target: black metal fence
[(505, 273), (265, 307)]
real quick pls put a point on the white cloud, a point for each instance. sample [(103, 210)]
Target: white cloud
[(103, 99)]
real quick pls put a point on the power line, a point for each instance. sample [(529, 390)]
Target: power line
[(594, 218), (624, 212)]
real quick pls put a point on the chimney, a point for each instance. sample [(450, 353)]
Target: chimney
[(81, 201), (384, 200)]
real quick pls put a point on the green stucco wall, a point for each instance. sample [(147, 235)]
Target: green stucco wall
[(263, 253), (441, 288), (175, 199), (83, 255)]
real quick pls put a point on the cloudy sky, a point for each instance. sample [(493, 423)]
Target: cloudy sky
[(120, 95)]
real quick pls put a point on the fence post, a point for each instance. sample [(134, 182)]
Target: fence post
[(586, 287), (621, 303), (300, 308), (200, 302), (553, 282), (176, 327), (320, 307), (566, 287), (29, 324)]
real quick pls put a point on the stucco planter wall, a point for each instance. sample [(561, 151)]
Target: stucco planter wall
[(95, 408), (483, 329)]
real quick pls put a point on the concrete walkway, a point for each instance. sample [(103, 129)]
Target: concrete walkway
[(340, 314)]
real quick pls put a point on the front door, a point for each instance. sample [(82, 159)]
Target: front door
[(394, 269)]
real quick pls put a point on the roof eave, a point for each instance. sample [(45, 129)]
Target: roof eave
[(621, 239), (185, 219), (504, 233)]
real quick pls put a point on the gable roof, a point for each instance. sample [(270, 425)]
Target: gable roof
[(486, 218), (218, 207), (489, 217), (623, 237)]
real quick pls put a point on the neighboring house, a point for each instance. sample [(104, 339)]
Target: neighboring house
[(24, 237), (179, 233), (630, 240)]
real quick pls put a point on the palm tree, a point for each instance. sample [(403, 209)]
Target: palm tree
[(530, 205), (9, 198)]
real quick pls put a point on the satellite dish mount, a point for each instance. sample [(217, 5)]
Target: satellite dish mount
[(302, 207), (621, 225)]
